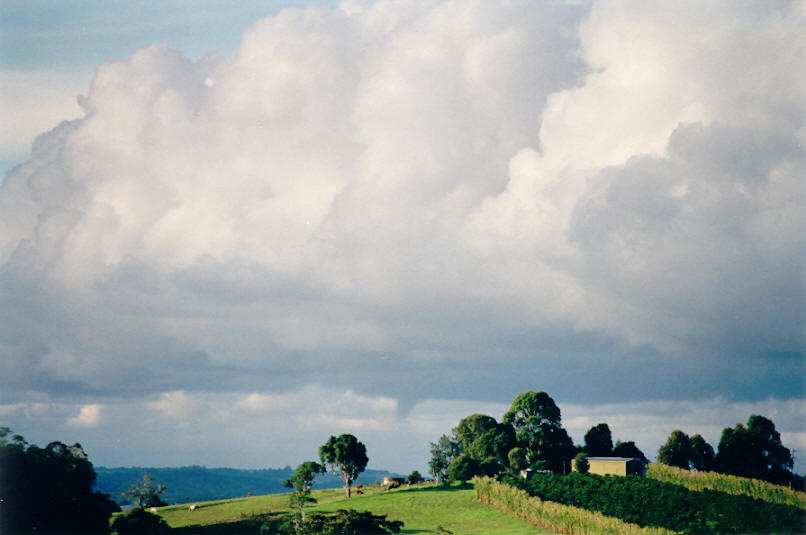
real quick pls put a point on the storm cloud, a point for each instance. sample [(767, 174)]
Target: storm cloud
[(421, 200)]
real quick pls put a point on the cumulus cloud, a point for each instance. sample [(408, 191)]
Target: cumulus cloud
[(419, 200)]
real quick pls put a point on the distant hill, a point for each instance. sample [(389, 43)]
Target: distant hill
[(199, 483)]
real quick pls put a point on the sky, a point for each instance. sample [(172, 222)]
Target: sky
[(231, 230)]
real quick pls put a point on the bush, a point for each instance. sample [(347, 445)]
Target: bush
[(139, 522), (581, 463)]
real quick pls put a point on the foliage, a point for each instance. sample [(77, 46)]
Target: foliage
[(581, 463), (139, 522), (676, 451), (598, 441), (648, 502), (463, 468), (346, 456), (754, 451), (554, 516), (49, 490), (352, 522), (536, 421), (517, 459), (629, 450), (443, 452), (301, 482), (414, 478), (143, 493), (702, 454), (755, 488)]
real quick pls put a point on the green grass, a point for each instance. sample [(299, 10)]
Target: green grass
[(422, 509)]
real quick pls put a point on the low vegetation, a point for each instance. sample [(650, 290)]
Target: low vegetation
[(754, 488), (554, 516), (648, 502)]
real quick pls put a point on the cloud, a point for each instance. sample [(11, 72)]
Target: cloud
[(260, 430), (89, 416), (417, 200)]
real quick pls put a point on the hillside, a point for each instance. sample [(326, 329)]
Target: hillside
[(198, 483), (423, 509)]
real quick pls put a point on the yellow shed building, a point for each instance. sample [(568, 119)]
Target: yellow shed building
[(616, 466)]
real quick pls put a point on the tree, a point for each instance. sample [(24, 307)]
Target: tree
[(346, 456), (517, 459), (702, 454), (143, 493), (463, 468), (301, 482), (676, 451), (49, 490), (754, 451), (414, 478), (598, 441), (482, 437), (628, 449), (581, 462), (536, 420), (443, 452)]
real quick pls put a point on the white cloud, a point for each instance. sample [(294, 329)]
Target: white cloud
[(89, 416), (421, 197)]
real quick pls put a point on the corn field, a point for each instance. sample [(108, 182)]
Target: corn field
[(755, 488), (554, 516)]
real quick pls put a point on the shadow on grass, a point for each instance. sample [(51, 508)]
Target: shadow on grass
[(248, 526), (440, 488)]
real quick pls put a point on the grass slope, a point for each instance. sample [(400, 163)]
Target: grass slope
[(423, 509)]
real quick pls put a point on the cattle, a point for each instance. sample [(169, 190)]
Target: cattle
[(193, 507)]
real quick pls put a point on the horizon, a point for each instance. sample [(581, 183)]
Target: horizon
[(233, 231)]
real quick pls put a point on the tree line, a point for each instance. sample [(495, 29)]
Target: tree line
[(531, 436)]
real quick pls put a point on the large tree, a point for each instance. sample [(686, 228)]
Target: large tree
[(754, 451), (483, 438), (702, 454), (346, 456), (628, 449), (598, 441), (301, 482), (676, 451), (49, 490), (538, 430)]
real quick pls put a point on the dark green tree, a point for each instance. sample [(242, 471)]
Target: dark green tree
[(598, 441), (628, 449), (517, 459), (414, 478), (463, 468), (754, 451), (482, 437), (676, 451), (145, 493), (49, 490), (139, 522), (581, 462), (443, 452), (538, 430), (702, 454), (346, 456)]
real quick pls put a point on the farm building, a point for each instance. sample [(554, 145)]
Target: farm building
[(617, 466)]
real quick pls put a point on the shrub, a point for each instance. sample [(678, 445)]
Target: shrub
[(139, 522)]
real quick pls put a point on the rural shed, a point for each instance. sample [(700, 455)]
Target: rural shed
[(617, 466)]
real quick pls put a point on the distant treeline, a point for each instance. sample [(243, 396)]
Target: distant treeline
[(199, 483)]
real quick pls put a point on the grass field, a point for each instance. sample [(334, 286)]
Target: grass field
[(423, 509)]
